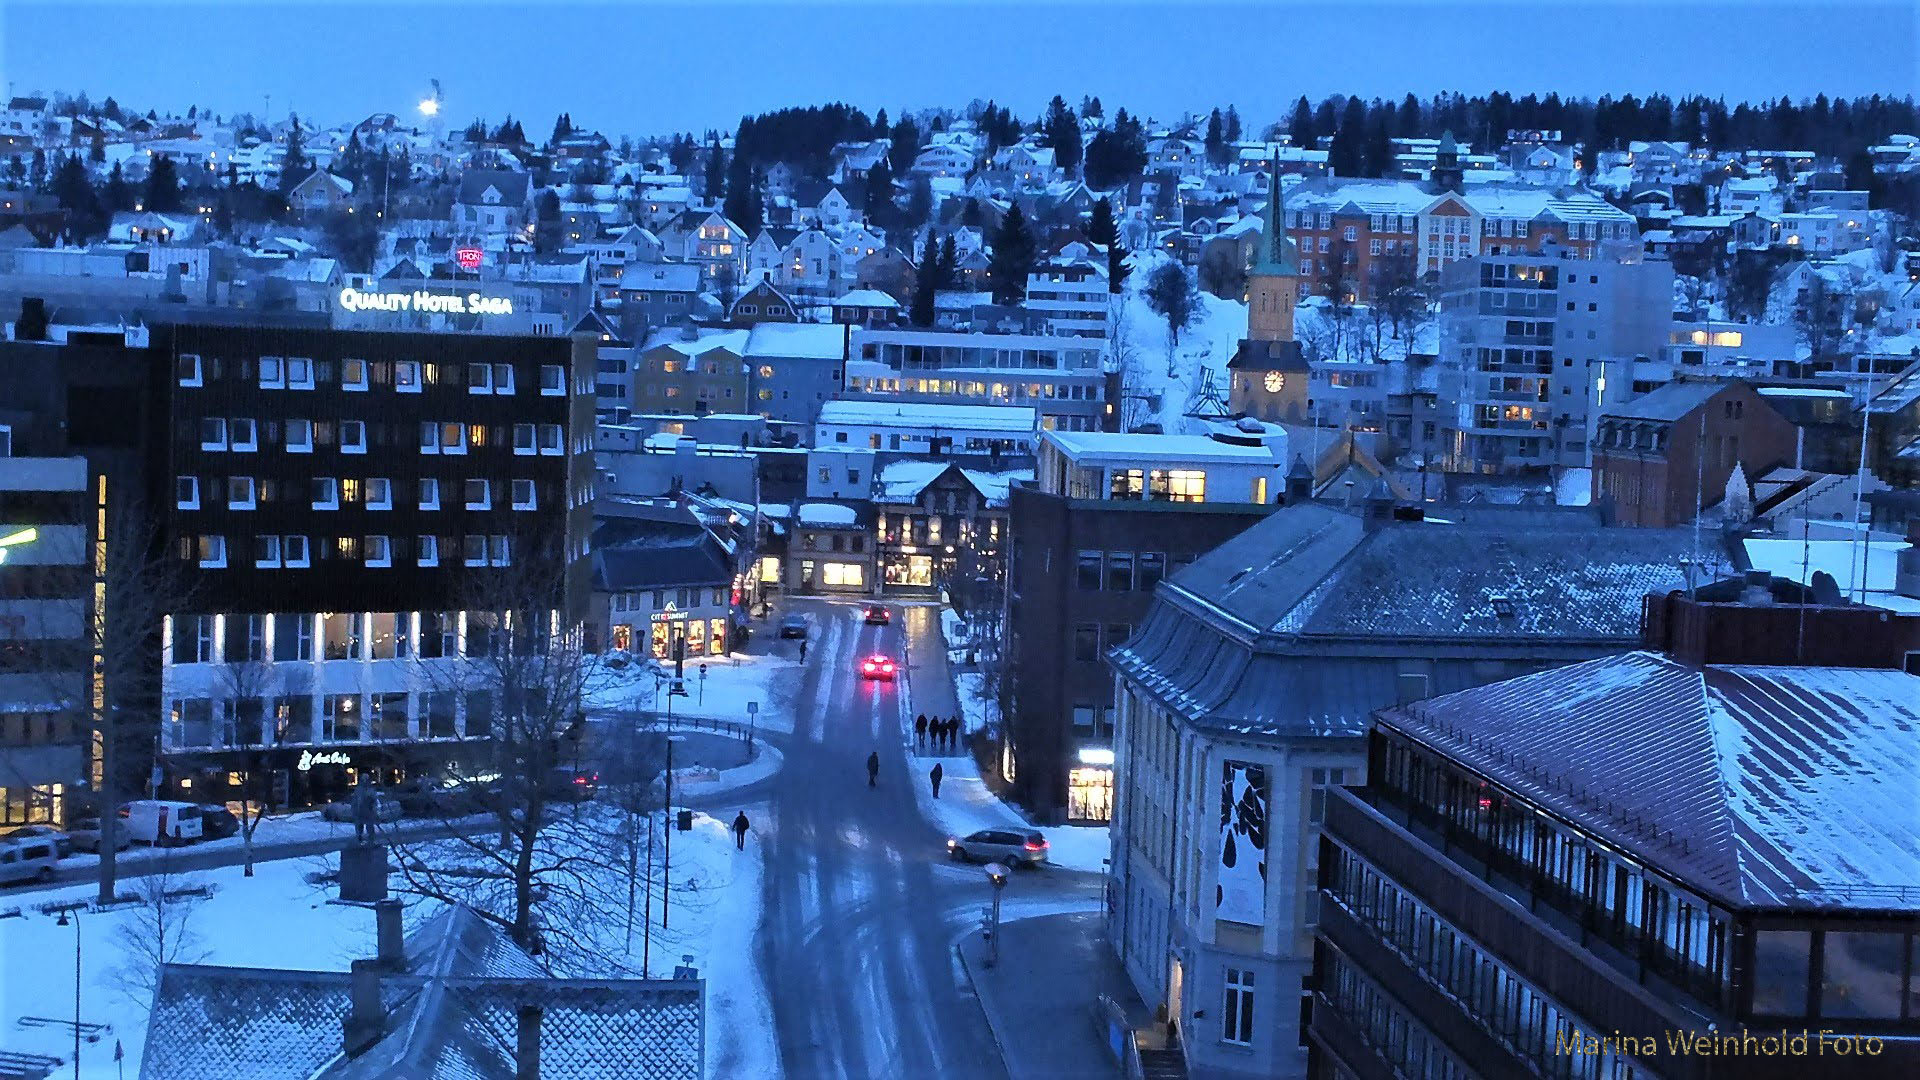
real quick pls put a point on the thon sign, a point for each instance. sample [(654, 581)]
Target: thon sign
[(469, 258), (429, 303)]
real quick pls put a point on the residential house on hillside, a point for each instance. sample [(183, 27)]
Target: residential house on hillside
[(492, 203), (653, 294), (320, 193), (707, 239), (691, 370)]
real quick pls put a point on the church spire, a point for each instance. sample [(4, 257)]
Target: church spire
[(1278, 255)]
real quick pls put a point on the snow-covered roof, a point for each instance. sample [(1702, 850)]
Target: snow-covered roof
[(1018, 419), (1799, 560), (709, 339), (813, 341), (1088, 446), (828, 515), (872, 298)]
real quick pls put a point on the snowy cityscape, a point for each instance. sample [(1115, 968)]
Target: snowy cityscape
[(1137, 554)]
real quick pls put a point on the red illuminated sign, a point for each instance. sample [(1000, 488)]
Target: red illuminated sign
[(469, 258)]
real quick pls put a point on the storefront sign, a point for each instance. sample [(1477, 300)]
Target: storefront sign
[(469, 258), (430, 303), (308, 759), (669, 615)]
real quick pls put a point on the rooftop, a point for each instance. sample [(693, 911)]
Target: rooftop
[(1013, 419), (1114, 446)]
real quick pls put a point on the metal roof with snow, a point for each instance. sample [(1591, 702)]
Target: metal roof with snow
[(1020, 419)]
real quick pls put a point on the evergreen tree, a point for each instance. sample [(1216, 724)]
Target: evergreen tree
[(969, 214), (949, 276), (1090, 107), (716, 172), (1347, 156), (742, 204), (1377, 155), (1409, 118), (74, 190), (880, 128), (162, 195), (1012, 259), (98, 152), (1216, 140), (1233, 131), (880, 206), (1117, 268), (117, 194), (1101, 229), (546, 222), (1063, 134), (562, 127), (905, 148), (1117, 154), (925, 280), (295, 166), (1171, 293), (919, 201), (111, 110), (1300, 130)]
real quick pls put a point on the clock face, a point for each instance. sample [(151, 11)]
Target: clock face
[(1276, 381)]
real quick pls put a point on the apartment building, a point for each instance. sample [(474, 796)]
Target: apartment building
[(1531, 343), (1061, 378)]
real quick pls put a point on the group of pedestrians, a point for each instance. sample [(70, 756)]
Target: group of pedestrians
[(942, 734)]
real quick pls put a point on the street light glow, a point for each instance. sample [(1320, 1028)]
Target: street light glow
[(429, 107)]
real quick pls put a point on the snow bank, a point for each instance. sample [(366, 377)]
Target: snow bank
[(967, 805)]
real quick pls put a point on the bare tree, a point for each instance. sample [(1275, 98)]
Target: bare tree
[(1821, 313), (544, 877), (159, 928), (1123, 353), (257, 695), (1398, 290)]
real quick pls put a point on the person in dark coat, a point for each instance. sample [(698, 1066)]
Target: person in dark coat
[(873, 769), (935, 775), (920, 730), (740, 826)]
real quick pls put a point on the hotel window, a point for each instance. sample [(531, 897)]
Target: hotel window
[(523, 495), (550, 439), (474, 549), (1237, 1018), (299, 373), (379, 551), (353, 374), (213, 552), (295, 553), (453, 438), (1086, 641), (186, 492), (213, 433), (429, 551), (429, 494), (479, 495), (245, 434), (479, 378), (353, 436), (266, 552), (188, 369), (406, 376), (326, 493), (523, 439), (273, 373), (299, 436), (379, 494), (553, 380), (498, 550), (240, 493), (503, 378)]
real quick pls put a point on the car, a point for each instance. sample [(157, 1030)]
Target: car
[(877, 615), (31, 859), (793, 626), (86, 836), (1007, 846), (62, 843), (428, 797), (217, 822), (877, 666), (161, 822), (571, 784), (386, 808)]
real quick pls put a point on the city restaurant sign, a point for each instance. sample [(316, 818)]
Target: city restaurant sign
[(429, 303)]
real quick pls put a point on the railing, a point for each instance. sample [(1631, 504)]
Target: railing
[(735, 728)]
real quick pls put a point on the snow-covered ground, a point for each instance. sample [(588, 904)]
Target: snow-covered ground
[(276, 919), (767, 678), (967, 805), (1139, 340), (977, 707)]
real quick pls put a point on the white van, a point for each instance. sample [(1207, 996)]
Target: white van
[(27, 860), (161, 822)]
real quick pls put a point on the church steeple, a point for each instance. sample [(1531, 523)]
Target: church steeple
[(1278, 254)]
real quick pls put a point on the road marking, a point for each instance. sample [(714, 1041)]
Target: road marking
[(816, 723)]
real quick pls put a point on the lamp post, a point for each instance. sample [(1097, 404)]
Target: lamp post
[(997, 874), (62, 921), (666, 871)]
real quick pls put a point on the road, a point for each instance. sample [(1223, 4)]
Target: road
[(863, 907)]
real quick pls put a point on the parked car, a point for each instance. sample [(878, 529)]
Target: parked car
[(86, 836), (576, 785), (62, 843), (217, 822), (386, 808), (428, 797), (27, 860), (999, 845), (793, 626), (877, 615), (161, 822)]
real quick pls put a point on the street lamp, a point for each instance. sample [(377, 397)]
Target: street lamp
[(666, 871), (429, 107), (62, 921), (997, 874)]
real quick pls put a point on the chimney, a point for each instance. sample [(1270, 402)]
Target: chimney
[(392, 944), (366, 1018), (1377, 510), (526, 1051)]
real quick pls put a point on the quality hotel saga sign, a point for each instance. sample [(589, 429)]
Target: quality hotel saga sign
[(428, 303)]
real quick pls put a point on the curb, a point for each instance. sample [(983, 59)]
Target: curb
[(1000, 1041)]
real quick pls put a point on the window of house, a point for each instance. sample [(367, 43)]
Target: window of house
[(406, 376), (1089, 569), (186, 492), (523, 495), (353, 374), (1128, 484), (1086, 641), (1236, 1024), (353, 436), (553, 380)]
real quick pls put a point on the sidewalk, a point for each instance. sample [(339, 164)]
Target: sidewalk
[(1043, 999)]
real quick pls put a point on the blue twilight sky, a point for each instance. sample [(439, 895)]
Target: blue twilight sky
[(642, 67)]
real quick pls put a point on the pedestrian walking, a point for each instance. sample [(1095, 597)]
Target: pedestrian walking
[(740, 827), (953, 730), (935, 776), (920, 731), (803, 650), (873, 769)]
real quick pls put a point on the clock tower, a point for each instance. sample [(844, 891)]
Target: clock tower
[(1269, 376)]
